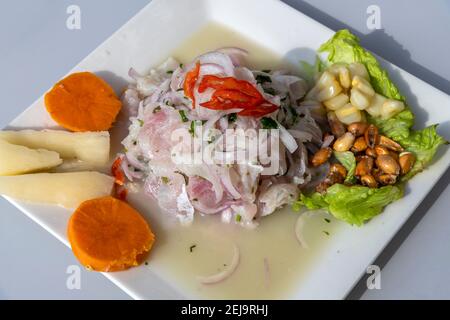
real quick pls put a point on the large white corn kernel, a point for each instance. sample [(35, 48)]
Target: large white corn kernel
[(325, 80), (335, 68), (375, 106), (341, 71), (359, 99), (358, 69), (363, 85), (348, 114), (344, 78), (391, 107), (337, 102), (329, 92)]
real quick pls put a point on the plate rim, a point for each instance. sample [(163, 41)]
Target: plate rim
[(142, 11)]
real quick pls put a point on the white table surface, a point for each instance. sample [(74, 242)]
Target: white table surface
[(36, 49)]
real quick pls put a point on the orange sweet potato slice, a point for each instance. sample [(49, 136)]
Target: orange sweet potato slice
[(107, 234), (83, 102)]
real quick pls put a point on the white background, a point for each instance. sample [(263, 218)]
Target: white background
[(36, 49)]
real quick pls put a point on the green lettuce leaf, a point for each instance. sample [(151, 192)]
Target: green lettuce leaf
[(423, 144), (347, 159), (354, 205), (344, 47), (357, 204), (397, 127)]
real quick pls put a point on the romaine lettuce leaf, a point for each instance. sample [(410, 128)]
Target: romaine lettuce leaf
[(354, 205), (423, 144), (398, 127), (347, 159), (344, 47), (357, 204)]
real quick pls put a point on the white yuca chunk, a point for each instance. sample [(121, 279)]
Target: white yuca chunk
[(64, 189), (376, 104), (391, 107), (341, 71), (74, 165), (329, 92), (16, 159), (92, 147), (359, 99), (363, 85), (337, 102), (348, 114), (358, 69)]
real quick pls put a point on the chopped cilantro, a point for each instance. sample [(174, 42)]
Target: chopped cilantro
[(232, 117), (262, 79), (165, 180), (157, 109), (269, 91), (269, 123), (192, 128), (183, 116)]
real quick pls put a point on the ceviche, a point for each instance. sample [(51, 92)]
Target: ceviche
[(346, 142), (214, 137)]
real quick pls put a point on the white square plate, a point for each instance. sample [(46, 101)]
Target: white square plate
[(157, 31)]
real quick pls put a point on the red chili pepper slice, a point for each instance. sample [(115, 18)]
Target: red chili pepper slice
[(190, 81), (224, 99), (233, 93), (122, 194), (210, 81), (117, 172), (258, 112)]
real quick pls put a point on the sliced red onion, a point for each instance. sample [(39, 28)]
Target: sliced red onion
[(211, 69), (327, 141), (242, 73), (220, 59), (294, 85), (301, 135), (236, 54), (160, 90), (287, 139), (132, 159), (134, 74), (130, 174), (177, 79), (200, 207), (130, 100), (299, 230), (228, 184), (224, 274)]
